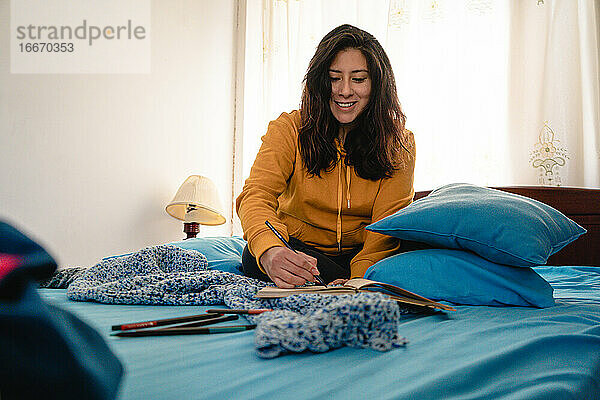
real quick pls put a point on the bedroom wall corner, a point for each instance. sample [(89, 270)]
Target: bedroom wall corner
[(88, 162)]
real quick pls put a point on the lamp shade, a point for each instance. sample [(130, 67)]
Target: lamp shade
[(197, 200)]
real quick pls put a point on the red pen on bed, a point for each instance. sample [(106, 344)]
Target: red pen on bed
[(163, 322)]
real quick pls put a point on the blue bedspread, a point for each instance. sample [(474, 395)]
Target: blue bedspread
[(473, 353)]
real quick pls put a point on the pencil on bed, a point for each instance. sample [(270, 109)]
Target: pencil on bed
[(238, 311), (163, 322), (185, 331)]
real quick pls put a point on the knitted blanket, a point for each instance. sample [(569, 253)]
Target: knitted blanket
[(169, 275)]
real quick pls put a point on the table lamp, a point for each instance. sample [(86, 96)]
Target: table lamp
[(196, 202)]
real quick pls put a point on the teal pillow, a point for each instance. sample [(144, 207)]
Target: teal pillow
[(461, 277), (224, 253), (502, 227)]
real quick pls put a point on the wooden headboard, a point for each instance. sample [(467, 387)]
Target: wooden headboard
[(582, 205)]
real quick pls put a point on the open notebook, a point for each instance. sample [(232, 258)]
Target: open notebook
[(357, 285)]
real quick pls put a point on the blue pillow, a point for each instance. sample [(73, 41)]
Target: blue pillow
[(462, 277), (223, 253), (502, 227)]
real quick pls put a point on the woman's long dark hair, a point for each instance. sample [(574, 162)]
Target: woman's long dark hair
[(373, 146)]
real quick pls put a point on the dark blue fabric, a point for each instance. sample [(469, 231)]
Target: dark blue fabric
[(45, 352), (34, 262)]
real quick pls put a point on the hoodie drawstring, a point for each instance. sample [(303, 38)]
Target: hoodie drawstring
[(338, 231), (348, 185)]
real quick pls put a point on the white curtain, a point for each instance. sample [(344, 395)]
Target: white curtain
[(554, 113), (497, 92)]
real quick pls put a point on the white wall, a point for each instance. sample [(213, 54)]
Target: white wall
[(89, 162)]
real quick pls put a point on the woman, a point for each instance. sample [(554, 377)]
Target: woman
[(325, 172)]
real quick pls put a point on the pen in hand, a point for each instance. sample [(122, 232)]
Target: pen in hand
[(285, 242)]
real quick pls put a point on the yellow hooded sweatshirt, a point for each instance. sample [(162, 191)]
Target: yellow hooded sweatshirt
[(329, 212)]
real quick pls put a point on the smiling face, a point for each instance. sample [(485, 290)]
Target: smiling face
[(350, 85)]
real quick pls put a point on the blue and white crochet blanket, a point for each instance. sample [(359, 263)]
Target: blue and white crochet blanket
[(169, 275)]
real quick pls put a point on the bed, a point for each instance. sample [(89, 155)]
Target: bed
[(475, 352)]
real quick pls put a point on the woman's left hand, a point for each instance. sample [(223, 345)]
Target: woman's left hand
[(337, 282)]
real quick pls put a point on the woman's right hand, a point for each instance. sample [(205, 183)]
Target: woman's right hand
[(287, 268)]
